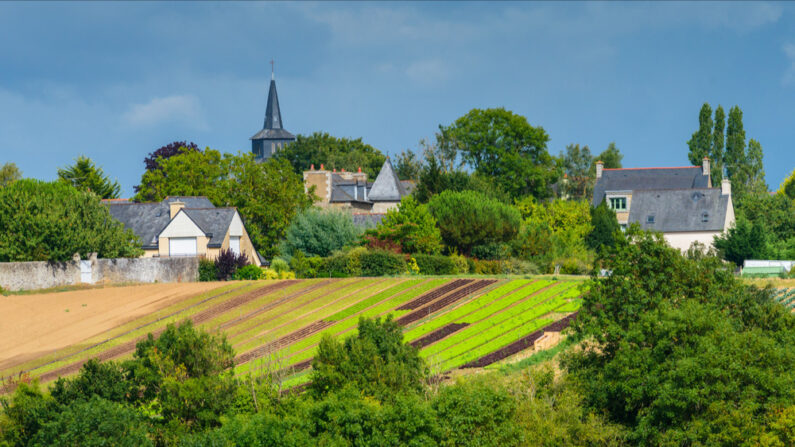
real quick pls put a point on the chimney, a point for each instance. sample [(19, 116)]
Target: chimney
[(725, 187), (599, 167), (174, 207), (360, 170), (312, 167), (705, 166), (321, 167)]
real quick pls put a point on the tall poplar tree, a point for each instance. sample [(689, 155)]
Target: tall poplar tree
[(701, 142), (735, 146), (718, 142)]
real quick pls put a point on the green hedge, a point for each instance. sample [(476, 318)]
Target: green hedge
[(382, 263), (435, 264)]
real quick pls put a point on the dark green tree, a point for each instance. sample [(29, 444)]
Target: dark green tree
[(717, 157), (604, 229), (316, 232), (743, 241), (611, 157), (755, 169), (700, 143), (408, 166), (434, 179), (51, 221), (411, 227), (335, 153), (503, 146), (375, 361), (9, 172), (735, 150), (468, 219), (577, 162), (86, 176)]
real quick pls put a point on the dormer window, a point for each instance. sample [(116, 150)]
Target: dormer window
[(618, 203)]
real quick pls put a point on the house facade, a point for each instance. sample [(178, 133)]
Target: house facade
[(185, 226), (368, 201), (680, 202)]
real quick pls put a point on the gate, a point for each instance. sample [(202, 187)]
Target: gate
[(85, 272)]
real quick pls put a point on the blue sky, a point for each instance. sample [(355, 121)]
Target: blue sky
[(115, 81)]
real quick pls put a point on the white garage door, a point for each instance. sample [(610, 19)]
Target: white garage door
[(182, 246)]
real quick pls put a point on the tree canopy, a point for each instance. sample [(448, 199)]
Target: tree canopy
[(86, 176), (410, 227), (335, 153), (9, 172), (503, 146), (267, 195), (51, 221), (317, 232)]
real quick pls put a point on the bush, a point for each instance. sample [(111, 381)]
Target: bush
[(492, 250), (381, 263), (207, 270), (410, 227), (227, 263), (270, 274), (515, 266), (436, 264), (486, 267), (249, 272), (317, 232), (280, 265)]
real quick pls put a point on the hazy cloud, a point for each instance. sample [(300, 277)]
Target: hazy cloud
[(183, 109)]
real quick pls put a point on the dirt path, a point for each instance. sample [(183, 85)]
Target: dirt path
[(36, 325)]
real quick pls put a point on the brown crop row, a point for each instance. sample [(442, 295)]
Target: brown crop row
[(433, 294), (438, 334), (283, 341), (444, 302)]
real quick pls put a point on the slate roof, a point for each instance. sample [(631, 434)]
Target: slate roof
[(273, 128), (213, 221), (387, 186), (147, 220), (679, 209), (635, 179)]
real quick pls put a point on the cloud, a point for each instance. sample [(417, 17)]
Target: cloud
[(174, 109), (427, 71)]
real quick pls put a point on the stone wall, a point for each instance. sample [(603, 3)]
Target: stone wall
[(43, 275)]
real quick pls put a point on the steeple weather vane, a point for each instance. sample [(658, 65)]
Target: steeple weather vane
[(271, 69)]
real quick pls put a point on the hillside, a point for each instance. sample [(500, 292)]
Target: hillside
[(276, 325)]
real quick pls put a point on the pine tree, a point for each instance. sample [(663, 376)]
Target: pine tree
[(86, 176)]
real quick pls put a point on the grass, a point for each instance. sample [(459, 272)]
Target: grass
[(535, 359)]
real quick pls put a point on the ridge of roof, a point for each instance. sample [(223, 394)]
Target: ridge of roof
[(660, 167)]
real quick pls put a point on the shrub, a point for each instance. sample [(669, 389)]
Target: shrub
[(468, 219), (486, 267), (227, 263), (492, 250), (317, 232), (410, 227), (436, 264), (515, 266), (381, 263), (280, 265), (249, 272), (461, 264), (207, 270), (270, 274), (413, 268)]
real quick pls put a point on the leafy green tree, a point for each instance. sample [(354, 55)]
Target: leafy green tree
[(477, 413), (408, 166), (375, 360), (502, 145), (316, 232), (434, 179), (335, 153), (700, 143), (443, 149), (742, 241), (661, 326), (577, 165), (94, 423), (735, 150), (605, 226), (755, 169), (86, 176), (411, 227), (24, 413), (52, 221), (267, 195), (787, 187), (9, 172), (107, 380), (718, 157), (467, 219), (611, 157)]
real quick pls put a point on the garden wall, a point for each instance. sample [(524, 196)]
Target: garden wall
[(42, 275)]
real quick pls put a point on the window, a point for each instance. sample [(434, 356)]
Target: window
[(705, 217), (273, 148), (618, 203), (650, 219)]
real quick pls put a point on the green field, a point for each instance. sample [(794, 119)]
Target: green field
[(281, 322)]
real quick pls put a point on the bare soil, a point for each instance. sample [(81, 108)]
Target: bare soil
[(40, 324)]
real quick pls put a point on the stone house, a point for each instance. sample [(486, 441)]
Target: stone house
[(680, 202), (185, 226)]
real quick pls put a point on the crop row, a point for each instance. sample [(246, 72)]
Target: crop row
[(445, 301)]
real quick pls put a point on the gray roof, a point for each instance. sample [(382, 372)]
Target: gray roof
[(347, 189), (679, 209), (387, 186), (273, 128), (213, 221), (147, 220), (648, 179)]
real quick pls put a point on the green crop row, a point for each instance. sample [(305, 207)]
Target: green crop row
[(538, 305), (280, 321), (361, 305), (486, 301)]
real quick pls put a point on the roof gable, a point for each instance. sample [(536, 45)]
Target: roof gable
[(214, 222), (701, 209), (182, 226)]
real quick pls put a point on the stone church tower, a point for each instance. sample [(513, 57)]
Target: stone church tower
[(272, 137)]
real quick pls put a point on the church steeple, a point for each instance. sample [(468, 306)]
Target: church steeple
[(272, 137)]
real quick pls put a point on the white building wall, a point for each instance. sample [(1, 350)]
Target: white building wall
[(181, 226), (684, 239), (236, 226)]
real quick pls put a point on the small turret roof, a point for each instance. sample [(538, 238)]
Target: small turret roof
[(387, 186)]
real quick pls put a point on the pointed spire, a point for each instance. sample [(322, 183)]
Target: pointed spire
[(273, 116), (387, 186)]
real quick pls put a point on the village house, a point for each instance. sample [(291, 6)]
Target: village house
[(680, 202), (367, 201), (184, 226)]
